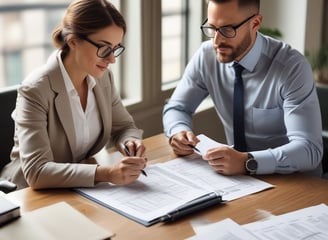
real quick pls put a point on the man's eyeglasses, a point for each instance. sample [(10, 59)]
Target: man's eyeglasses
[(104, 51), (228, 31)]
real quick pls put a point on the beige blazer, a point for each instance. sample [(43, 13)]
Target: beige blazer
[(43, 155)]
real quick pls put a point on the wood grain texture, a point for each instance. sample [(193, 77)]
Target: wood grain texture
[(292, 192)]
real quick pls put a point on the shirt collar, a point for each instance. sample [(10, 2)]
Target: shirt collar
[(250, 60)]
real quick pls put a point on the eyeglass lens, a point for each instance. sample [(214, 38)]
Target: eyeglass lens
[(226, 31), (105, 51)]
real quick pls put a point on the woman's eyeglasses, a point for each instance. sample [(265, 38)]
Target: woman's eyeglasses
[(104, 51)]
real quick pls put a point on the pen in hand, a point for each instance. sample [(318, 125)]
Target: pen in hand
[(127, 151), (195, 148)]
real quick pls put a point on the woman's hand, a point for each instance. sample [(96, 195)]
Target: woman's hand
[(134, 148), (124, 172)]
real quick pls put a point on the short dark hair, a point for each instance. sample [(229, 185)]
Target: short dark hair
[(242, 3), (85, 17)]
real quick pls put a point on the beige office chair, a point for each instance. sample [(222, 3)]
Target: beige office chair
[(7, 104)]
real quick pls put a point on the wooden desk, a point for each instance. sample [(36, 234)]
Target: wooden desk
[(292, 192)]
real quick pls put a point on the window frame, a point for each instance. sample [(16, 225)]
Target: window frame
[(151, 93), (137, 72)]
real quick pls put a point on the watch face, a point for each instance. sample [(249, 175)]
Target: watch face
[(251, 165)]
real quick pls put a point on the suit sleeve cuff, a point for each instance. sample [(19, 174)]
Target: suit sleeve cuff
[(266, 162)]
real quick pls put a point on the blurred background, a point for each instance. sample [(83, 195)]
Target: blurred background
[(162, 36)]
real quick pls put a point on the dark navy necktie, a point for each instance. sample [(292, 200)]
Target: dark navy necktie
[(238, 110)]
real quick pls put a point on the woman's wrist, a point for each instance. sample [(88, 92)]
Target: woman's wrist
[(102, 174)]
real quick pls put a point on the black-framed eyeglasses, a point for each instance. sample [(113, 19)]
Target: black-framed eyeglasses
[(228, 31), (104, 51)]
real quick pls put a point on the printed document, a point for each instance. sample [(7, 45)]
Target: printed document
[(229, 187), (308, 223), (170, 185)]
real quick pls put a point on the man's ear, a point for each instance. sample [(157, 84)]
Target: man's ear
[(256, 23)]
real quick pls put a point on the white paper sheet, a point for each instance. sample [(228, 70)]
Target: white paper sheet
[(305, 224), (205, 143), (229, 187), (309, 224), (169, 185), (226, 229), (149, 197), (172, 184)]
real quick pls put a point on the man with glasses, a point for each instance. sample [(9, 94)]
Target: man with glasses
[(263, 92)]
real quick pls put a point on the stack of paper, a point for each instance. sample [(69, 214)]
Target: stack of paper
[(173, 186)]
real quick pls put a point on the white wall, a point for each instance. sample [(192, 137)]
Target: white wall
[(300, 21)]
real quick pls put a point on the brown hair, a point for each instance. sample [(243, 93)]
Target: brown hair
[(85, 17), (242, 3)]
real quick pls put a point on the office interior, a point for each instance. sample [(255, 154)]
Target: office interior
[(162, 36)]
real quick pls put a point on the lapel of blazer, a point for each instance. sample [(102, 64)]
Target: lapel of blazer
[(62, 103)]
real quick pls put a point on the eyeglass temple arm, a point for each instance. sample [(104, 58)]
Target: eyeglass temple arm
[(204, 21)]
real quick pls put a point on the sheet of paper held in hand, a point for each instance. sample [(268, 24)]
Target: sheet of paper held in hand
[(171, 184)]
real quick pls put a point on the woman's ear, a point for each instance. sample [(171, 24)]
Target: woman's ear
[(71, 41)]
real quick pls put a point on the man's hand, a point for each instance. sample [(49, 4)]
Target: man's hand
[(180, 142), (226, 160)]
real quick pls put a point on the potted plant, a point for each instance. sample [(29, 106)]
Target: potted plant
[(272, 32), (319, 63)]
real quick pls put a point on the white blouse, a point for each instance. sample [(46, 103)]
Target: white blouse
[(87, 123)]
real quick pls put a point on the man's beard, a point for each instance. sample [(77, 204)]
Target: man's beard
[(235, 51)]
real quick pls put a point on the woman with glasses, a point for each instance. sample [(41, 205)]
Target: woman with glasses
[(69, 109), (263, 92)]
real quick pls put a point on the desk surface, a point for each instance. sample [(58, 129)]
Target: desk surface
[(292, 192)]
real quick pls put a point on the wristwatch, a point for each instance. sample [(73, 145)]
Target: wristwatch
[(251, 164)]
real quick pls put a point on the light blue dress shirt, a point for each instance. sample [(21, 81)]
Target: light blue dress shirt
[(282, 113)]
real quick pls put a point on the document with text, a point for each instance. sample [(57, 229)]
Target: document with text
[(229, 187), (308, 223), (170, 188)]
